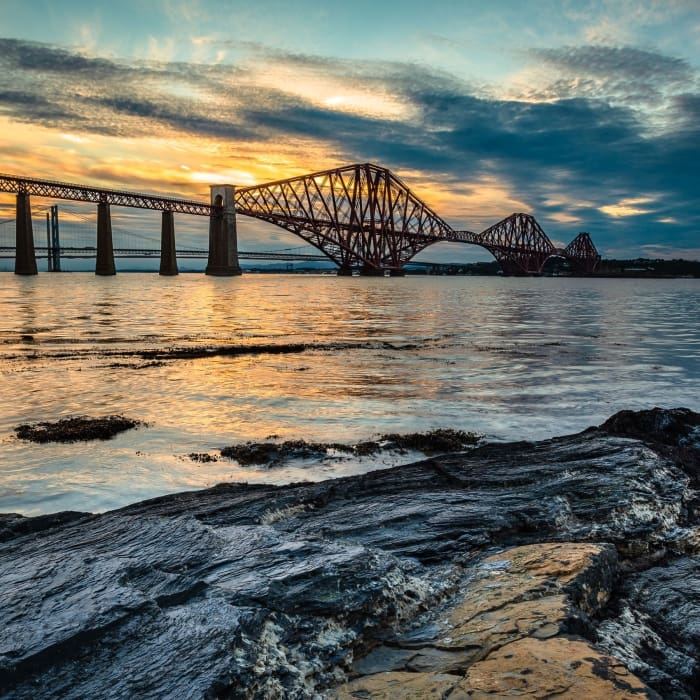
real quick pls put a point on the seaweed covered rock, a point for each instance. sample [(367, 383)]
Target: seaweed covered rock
[(432, 442), (76, 429)]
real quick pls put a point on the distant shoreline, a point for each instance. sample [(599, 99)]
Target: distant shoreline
[(639, 268)]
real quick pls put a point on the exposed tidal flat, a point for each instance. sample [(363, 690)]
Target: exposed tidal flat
[(508, 562)]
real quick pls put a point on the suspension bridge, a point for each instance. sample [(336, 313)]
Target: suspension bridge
[(361, 217)]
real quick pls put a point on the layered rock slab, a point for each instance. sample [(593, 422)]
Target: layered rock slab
[(259, 592), (654, 626), (509, 631)]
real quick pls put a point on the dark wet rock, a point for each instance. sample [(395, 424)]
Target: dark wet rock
[(655, 627), (14, 524), (257, 591), (198, 351), (76, 429), (676, 426), (674, 433), (195, 352), (431, 442), (202, 457), (131, 365), (157, 357)]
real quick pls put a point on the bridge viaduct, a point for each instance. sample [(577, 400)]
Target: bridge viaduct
[(361, 217)]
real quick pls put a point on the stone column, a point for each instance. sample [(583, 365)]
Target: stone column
[(168, 257), (49, 247), (55, 240), (223, 239), (25, 257), (105, 253), (369, 271)]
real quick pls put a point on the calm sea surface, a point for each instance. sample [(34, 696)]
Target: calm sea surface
[(509, 358)]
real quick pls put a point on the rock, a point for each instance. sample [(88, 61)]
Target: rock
[(273, 453), (391, 685), (674, 426), (262, 591), (589, 486), (674, 433), (14, 524), (552, 668), (76, 429), (529, 668), (507, 631), (655, 628)]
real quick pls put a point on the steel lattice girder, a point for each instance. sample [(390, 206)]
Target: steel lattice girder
[(358, 215), (582, 253), (518, 243), (581, 247), (81, 193)]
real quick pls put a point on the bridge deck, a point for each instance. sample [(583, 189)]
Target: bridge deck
[(82, 193), (8, 252), (357, 215)]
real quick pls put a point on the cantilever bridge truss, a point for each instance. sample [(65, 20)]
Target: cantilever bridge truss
[(363, 216), (360, 216)]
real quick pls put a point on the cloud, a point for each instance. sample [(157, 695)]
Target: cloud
[(627, 207), (617, 74), (610, 62), (664, 251), (576, 158), (40, 58), (687, 108)]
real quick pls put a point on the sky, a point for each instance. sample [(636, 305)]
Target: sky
[(585, 114)]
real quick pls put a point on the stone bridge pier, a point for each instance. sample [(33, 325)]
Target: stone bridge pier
[(25, 256), (168, 257), (104, 264), (223, 238)]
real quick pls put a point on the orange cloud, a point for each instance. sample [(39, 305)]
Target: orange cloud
[(627, 207)]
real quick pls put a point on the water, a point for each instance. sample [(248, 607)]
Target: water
[(510, 358)]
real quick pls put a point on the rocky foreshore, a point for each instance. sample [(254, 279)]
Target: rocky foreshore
[(567, 567)]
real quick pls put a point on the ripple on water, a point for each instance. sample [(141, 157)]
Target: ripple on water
[(508, 358)]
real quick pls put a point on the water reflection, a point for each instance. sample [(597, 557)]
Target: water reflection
[(513, 358)]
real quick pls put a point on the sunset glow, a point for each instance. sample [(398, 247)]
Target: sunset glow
[(571, 121)]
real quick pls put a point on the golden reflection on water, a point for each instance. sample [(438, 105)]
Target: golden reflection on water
[(507, 357)]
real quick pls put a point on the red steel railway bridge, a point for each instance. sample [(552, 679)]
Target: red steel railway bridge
[(361, 217)]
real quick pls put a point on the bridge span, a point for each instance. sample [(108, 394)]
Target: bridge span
[(361, 217)]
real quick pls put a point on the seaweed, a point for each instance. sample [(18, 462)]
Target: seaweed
[(76, 429), (431, 442)]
